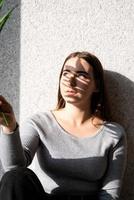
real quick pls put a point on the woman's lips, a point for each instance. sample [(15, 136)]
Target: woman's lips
[(70, 92)]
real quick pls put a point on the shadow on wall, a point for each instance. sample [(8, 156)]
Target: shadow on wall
[(10, 58), (121, 97)]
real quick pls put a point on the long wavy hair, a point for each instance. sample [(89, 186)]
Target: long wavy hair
[(99, 101)]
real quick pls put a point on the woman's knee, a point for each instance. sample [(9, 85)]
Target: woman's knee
[(21, 183), (22, 177), (20, 174)]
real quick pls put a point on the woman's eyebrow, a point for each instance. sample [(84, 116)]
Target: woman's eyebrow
[(79, 71), (68, 70), (83, 72), (71, 68)]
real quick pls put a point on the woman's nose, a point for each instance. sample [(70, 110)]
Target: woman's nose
[(72, 80)]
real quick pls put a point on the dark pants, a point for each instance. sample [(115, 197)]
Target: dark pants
[(23, 184)]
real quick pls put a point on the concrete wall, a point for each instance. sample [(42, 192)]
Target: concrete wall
[(50, 30)]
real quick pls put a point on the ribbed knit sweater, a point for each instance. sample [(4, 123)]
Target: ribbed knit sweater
[(68, 164)]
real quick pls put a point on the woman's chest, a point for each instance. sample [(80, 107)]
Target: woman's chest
[(80, 131), (81, 159)]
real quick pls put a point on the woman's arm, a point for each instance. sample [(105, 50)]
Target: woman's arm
[(17, 149), (112, 181)]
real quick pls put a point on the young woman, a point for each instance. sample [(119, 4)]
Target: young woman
[(81, 154)]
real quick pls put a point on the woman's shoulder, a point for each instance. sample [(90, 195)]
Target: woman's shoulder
[(39, 117), (114, 129)]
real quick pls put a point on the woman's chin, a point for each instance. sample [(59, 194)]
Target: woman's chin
[(71, 100)]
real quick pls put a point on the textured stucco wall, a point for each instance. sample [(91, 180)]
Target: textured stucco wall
[(50, 30)]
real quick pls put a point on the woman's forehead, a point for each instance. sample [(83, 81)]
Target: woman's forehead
[(77, 64)]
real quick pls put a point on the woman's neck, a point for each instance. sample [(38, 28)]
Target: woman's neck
[(76, 115)]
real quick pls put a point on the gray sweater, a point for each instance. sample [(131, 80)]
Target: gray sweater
[(68, 164)]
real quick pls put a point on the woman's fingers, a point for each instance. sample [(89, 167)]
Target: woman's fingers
[(7, 117), (3, 119), (2, 99), (4, 105)]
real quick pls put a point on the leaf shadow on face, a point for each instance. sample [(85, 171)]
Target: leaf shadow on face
[(120, 92)]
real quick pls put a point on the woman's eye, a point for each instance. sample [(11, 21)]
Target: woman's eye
[(83, 76), (65, 73)]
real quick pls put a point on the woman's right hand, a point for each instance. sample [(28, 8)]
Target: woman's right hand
[(7, 117)]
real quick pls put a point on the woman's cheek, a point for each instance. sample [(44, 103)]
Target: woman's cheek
[(82, 85)]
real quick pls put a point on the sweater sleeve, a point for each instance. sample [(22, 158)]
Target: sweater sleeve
[(112, 181), (18, 149)]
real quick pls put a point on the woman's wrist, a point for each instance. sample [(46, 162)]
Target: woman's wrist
[(10, 130), (16, 127)]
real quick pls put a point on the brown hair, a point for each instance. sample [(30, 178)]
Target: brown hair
[(99, 104)]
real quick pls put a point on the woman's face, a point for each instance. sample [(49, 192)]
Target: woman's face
[(77, 81)]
